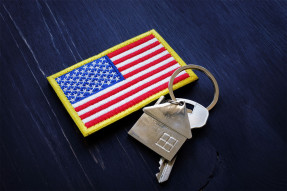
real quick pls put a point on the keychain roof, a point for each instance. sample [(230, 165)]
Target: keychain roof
[(111, 85)]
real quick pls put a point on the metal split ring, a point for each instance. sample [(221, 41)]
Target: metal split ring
[(202, 69)]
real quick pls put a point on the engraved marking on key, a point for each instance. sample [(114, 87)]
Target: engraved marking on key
[(166, 142)]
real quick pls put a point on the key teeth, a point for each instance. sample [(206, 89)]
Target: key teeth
[(164, 169), (159, 179), (161, 161)]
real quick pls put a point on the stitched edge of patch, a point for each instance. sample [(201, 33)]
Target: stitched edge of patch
[(87, 131)]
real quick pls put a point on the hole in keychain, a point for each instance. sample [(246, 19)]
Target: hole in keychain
[(206, 72), (181, 103)]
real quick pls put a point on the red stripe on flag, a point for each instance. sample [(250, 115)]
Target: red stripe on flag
[(132, 103), (136, 53), (140, 78), (122, 97), (141, 59), (130, 46)]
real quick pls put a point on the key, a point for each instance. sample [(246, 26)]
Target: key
[(160, 100), (197, 118), (165, 165), (165, 168)]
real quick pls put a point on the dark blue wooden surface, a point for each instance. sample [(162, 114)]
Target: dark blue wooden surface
[(243, 145)]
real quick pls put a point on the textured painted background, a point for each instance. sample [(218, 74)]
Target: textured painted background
[(243, 146)]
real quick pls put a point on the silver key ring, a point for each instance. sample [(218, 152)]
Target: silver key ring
[(202, 69)]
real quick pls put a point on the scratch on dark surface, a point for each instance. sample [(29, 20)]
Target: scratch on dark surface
[(48, 28), (60, 30), (69, 35), (98, 159), (93, 156), (49, 116), (80, 164), (213, 172), (146, 164), (52, 111), (124, 149), (101, 159), (152, 176), (24, 39)]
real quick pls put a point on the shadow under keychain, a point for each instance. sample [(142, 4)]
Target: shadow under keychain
[(165, 126)]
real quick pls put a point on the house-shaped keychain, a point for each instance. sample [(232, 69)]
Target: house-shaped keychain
[(166, 126), (163, 128)]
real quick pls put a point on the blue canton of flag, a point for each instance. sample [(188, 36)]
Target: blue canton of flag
[(89, 79)]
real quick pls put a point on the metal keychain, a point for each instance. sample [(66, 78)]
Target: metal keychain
[(165, 126)]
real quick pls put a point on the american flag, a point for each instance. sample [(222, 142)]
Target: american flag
[(119, 80)]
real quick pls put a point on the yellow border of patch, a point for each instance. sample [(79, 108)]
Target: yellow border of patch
[(87, 131)]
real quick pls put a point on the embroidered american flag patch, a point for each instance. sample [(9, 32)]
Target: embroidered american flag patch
[(107, 87)]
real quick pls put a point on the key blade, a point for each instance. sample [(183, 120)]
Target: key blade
[(165, 169)]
